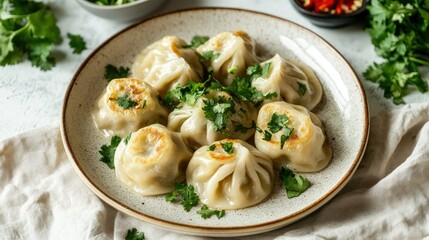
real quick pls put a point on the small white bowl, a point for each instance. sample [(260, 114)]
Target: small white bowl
[(125, 12)]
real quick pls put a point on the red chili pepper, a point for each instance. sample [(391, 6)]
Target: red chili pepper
[(324, 5)]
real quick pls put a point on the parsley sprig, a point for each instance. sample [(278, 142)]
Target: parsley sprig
[(399, 31), (28, 29), (134, 234), (241, 87), (219, 111), (111, 72), (184, 194), (293, 184), (205, 212), (277, 123), (188, 94), (108, 151)]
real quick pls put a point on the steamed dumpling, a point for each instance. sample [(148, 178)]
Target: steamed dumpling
[(233, 179), (305, 150), (231, 50), (167, 63), (199, 130), (152, 161), (294, 83), (126, 105)]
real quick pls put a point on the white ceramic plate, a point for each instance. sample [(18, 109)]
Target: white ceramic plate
[(343, 110)]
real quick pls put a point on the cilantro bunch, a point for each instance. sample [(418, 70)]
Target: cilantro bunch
[(29, 29), (399, 31)]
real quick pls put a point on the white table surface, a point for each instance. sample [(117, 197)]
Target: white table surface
[(31, 98)]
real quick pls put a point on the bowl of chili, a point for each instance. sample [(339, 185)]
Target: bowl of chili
[(330, 13)]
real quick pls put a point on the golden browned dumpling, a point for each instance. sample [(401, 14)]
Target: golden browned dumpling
[(292, 135), (152, 161), (127, 105)]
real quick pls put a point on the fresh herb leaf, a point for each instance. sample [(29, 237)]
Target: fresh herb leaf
[(211, 147), (228, 147), (209, 56), (267, 136), (111, 72), (188, 94), (185, 194), (133, 234), (219, 111), (127, 138), (77, 43), (302, 88), (276, 124), (125, 102), (205, 212), (196, 41), (28, 29), (108, 152), (293, 184), (399, 31)]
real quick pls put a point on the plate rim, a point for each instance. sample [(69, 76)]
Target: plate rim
[(216, 230)]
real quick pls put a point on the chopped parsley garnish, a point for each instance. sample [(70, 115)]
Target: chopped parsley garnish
[(276, 124), (108, 152), (28, 29), (133, 234), (211, 147), (187, 94), (125, 102), (196, 41), (205, 212), (219, 110), (209, 56), (293, 184), (241, 87), (111, 72), (127, 138), (77, 43), (399, 31), (232, 69), (302, 88), (185, 194), (228, 147)]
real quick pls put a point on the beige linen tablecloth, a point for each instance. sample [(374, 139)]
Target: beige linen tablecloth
[(387, 198)]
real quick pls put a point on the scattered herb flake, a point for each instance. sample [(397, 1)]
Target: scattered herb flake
[(228, 147), (185, 194), (293, 184), (209, 56), (205, 212), (211, 147), (125, 102), (302, 88), (77, 43), (133, 234), (108, 151), (196, 41), (111, 72)]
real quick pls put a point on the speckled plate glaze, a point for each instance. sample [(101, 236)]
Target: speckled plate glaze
[(343, 110)]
